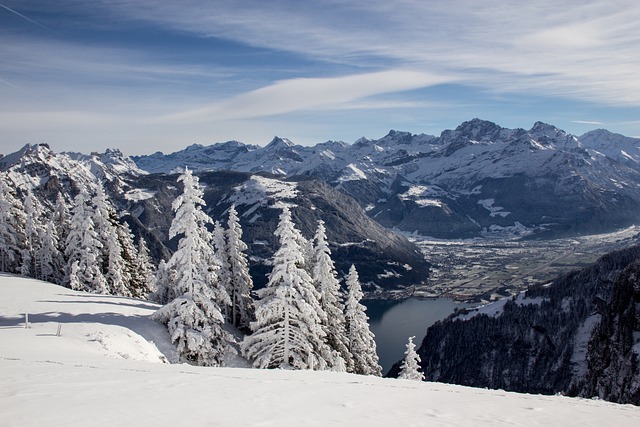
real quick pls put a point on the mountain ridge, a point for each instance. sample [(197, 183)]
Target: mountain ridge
[(403, 180), (386, 260)]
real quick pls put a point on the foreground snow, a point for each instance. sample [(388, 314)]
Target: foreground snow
[(106, 368)]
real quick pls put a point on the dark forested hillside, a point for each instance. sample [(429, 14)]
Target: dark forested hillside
[(578, 335), (614, 361)]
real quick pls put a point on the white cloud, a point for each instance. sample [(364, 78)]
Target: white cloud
[(586, 122), (582, 50), (378, 49), (310, 94)]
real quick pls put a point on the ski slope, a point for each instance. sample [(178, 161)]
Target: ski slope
[(109, 367)]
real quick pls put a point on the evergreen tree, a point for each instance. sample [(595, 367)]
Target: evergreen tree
[(61, 220), (34, 231), (74, 279), (193, 317), (212, 271), (410, 368), (83, 246), (287, 332), (307, 249), (241, 312), (50, 258), (164, 278), (111, 237), (117, 274), (11, 227), (332, 316), (219, 242), (138, 270), (143, 280), (361, 343)]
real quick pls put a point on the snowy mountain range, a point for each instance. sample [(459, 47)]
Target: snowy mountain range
[(479, 179), (98, 360), (384, 259)]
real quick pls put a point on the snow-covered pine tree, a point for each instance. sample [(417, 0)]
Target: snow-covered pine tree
[(75, 233), (287, 332), (219, 242), (138, 283), (143, 278), (193, 317), (410, 368), (112, 264), (82, 246), (11, 227), (50, 258), (74, 279), (61, 220), (164, 279), (326, 283), (212, 263), (33, 236), (361, 340), (242, 310)]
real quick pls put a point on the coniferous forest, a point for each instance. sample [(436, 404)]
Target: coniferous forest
[(300, 320)]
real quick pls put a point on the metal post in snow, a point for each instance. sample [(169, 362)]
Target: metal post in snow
[(59, 329), (26, 320)]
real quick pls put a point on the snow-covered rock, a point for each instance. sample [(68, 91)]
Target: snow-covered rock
[(545, 179)]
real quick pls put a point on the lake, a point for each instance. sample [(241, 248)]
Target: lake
[(393, 322)]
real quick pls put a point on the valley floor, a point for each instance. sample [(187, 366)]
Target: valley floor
[(488, 269), (108, 367)]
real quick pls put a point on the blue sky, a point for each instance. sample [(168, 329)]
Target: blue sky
[(156, 75)]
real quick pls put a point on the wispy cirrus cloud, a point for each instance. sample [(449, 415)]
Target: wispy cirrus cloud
[(587, 122), (569, 49), (258, 65), (311, 94)]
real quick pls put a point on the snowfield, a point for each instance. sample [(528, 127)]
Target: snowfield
[(108, 367)]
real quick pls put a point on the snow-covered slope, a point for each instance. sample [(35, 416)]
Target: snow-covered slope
[(613, 145), (542, 178), (103, 370)]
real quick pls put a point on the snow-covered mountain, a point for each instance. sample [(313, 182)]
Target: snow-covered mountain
[(105, 368), (477, 179), (384, 259), (578, 335)]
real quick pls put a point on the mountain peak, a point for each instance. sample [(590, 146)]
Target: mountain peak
[(398, 137), (478, 129), (601, 134), (230, 144), (541, 128), (193, 147), (278, 142), (362, 141), (33, 150)]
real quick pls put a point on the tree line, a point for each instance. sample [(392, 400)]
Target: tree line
[(84, 248)]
